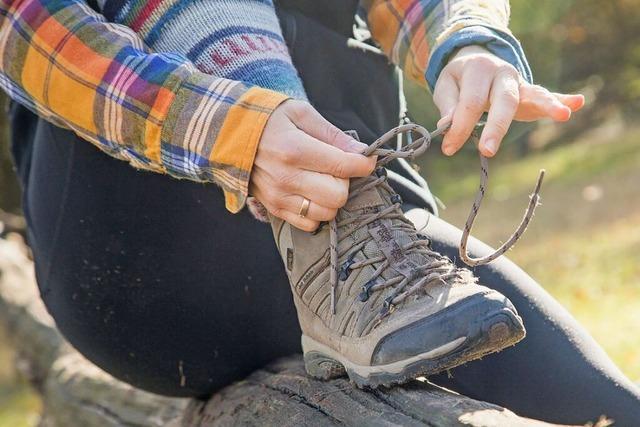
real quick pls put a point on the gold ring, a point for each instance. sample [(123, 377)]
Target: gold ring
[(304, 208)]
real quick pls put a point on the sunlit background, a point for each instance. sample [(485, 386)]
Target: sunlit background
[(584, 244)]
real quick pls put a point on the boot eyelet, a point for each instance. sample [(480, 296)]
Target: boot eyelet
[(381, 171), (425, 238), (366, 290), (345, 270), (396, 199), (387, 306)]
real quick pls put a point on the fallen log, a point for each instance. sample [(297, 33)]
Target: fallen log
[(77, 393)]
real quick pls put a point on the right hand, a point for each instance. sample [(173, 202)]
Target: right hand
[(302, 155)]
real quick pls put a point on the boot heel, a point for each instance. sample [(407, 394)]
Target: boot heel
[(322, 367)]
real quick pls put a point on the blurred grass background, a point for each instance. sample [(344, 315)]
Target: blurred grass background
[(584, 243)]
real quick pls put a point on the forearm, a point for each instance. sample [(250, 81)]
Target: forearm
[(421, 35), (155, 111)]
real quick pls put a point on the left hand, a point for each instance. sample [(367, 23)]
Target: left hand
[(476, 81)]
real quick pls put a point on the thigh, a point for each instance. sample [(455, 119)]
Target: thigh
[(150, 277), (558, 372)]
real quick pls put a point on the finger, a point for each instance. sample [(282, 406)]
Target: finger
[(323, 189), (271, 202), (310, 121), (316, 212), (304, 224), (574, 101), (505, 98), (310, 154), (536, 103), (474, 94), (445, 96), (555, 109)]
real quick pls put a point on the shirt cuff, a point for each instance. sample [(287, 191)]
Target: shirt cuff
[(501, 44), (238, 141), (212, 132)]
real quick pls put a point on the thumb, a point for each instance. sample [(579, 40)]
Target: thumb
[(445, 96), (310, 121)]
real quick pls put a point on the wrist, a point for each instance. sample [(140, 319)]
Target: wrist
[(470, 50), (499, 43)]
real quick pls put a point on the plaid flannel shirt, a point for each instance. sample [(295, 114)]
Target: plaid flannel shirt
[(158, 112), (154, 110), (421, 35)]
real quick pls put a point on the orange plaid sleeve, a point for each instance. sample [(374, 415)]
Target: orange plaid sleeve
[(156, 111), (420, 35)]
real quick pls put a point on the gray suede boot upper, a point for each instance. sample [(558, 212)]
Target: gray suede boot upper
[(396, 309)]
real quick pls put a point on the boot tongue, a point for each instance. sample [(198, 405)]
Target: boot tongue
[(366, 201), (384, 237)]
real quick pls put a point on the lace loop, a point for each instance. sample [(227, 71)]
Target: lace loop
[(439, 269), (534, 201)]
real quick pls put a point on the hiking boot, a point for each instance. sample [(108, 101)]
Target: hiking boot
[(374, 300)]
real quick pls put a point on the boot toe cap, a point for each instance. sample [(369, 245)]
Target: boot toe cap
[(481, 321)]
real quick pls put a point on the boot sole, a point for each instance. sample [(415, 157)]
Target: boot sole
[(498, 331)]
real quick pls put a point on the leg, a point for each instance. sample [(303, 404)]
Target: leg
[(149, 277), (558, 372)]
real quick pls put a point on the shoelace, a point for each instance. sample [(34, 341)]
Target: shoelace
[(440, 269)]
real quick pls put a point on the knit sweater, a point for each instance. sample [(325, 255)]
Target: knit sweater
[(238, 40), (139, 97), (220, 40)]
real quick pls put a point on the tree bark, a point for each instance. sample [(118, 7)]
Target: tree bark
[(76, 392)]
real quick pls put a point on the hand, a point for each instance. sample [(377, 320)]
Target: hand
[(302, 155), (475, 81)]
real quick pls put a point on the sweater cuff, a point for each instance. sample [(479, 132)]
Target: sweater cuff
[(501, 44)]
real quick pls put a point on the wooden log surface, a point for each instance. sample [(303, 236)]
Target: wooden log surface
[(77, 393)]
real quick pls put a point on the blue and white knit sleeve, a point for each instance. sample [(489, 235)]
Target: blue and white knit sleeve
[(235, 39)]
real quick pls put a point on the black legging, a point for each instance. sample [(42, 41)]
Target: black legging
[(151, 278)]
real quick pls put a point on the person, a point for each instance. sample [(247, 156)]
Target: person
[(153, 281)]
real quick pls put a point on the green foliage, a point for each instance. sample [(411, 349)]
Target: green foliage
[(538, 25), (584, 241), (578, 44), (587, 46), (591, 46)]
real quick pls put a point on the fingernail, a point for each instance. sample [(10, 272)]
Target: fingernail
[(356, 146), (491, 145), (579, 101), (448, 150)]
